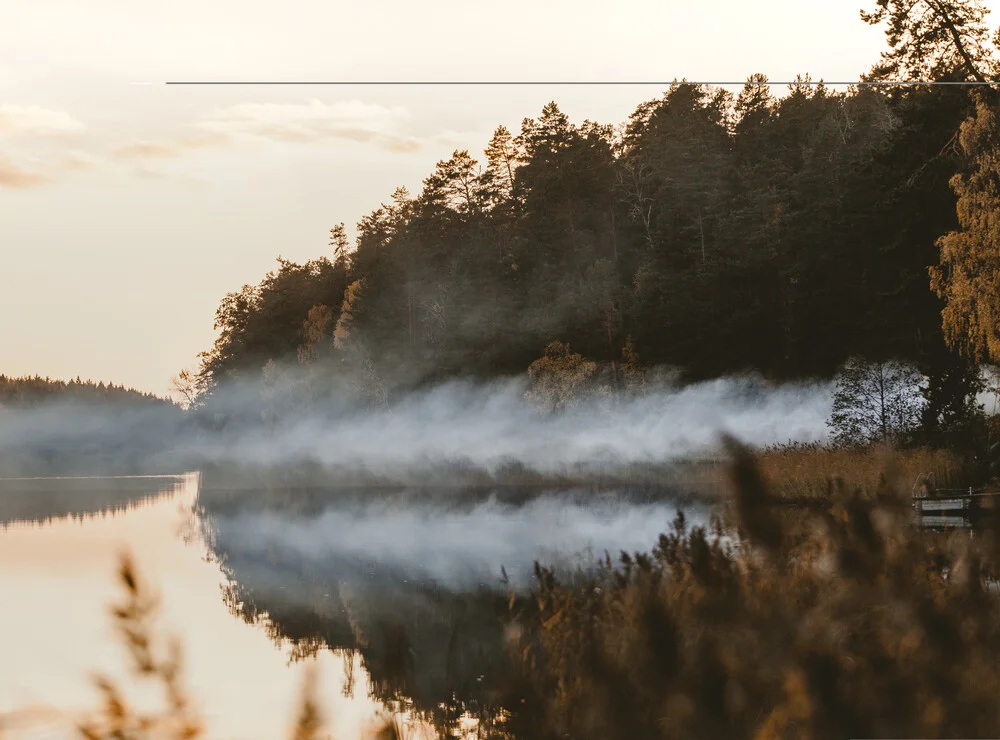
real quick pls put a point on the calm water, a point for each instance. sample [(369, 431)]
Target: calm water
[(396, 597)]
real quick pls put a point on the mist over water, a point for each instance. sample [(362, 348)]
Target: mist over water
[(487, 427), (455, 547)]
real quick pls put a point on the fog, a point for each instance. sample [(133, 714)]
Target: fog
[(454, 547), (487, 425), (460, 425)]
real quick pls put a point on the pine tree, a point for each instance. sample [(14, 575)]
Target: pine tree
[(932, 39)]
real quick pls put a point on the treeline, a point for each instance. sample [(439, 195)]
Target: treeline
[(711, 232), (33, 390), (76, 427)]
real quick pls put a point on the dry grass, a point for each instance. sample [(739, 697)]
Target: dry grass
[(836, 622), (809, 473), (135, 620), (115, 719)]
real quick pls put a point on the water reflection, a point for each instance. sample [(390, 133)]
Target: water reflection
[(57, 581), (396, 595), (412, 581), (25, 501)]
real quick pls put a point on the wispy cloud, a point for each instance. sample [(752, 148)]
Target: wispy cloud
[(313, 122), (309, 123), (316, 121), (33, 170), (30, 120), (77, 161), (166, 148), (14, 176), (38, 160)]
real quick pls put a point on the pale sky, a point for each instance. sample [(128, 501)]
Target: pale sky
[(127, 212)]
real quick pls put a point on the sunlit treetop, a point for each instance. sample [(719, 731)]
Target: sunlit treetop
[(933, 40)]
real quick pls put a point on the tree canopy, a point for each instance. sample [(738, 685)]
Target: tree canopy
[(781, 232)]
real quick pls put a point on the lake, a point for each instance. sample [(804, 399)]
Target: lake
[(399, 598)]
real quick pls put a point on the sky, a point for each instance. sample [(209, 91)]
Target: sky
[(128, 211)]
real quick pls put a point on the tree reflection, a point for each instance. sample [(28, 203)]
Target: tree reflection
[(431, 651), (39, 501)]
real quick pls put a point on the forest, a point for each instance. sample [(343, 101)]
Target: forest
[(781, 233), (28, 391)]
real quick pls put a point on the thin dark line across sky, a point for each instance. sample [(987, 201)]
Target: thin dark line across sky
[(512, 83)]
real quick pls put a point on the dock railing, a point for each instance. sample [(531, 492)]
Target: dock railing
[(924, 487)]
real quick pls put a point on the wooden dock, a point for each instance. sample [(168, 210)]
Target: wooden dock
[(945, 522), (951, 507)]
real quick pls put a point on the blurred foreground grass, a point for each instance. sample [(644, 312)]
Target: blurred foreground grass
[(826, 622)]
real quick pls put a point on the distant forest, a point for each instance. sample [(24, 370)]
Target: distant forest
[(30, 391), (713, 233)]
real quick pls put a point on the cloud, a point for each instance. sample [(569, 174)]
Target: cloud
[(14, 176), (35, 170), (78, 161), (166, 148), (315, 121), (312, 122), (37, 161), (29, 120)]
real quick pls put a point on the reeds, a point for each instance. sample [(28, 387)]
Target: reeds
[(117, 719), (135, 622), (807, 472), (835, 622)]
